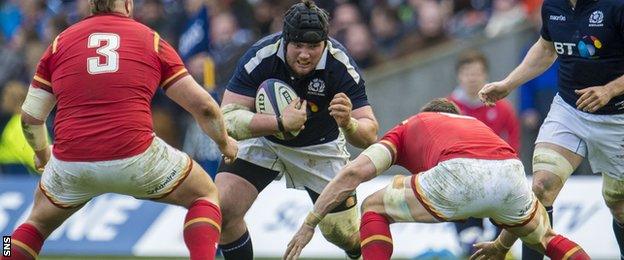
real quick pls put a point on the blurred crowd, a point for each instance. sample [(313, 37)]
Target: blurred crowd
[(211, 35)]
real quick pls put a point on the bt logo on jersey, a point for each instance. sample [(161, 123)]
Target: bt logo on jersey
[(586, 47)]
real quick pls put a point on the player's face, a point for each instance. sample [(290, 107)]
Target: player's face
[(472, 77), (303, 57)]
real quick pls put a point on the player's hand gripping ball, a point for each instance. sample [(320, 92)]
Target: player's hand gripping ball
[(273, 98)]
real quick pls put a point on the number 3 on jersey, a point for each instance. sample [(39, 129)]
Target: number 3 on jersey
[(106, 44)]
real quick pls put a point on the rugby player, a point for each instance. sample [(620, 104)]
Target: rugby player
[(102, 73), (332, 107), (460, 169), (586, 117)]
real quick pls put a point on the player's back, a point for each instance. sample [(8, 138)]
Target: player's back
[(104, 72), (429, 138)]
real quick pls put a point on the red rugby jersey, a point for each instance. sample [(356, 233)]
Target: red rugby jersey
[(425, 139), (104, 71), (501, 118)]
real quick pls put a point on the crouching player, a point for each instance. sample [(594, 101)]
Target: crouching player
[(102, 73), (460, 169)]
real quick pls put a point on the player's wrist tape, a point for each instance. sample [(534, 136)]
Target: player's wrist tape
[(312, 219), (498, 244), (351, 127), (280, 124)]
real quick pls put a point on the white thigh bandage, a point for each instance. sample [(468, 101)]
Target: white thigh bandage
[(549, 160), (380, 156), (38, 103), (342, 228), (237, 120), (394, 201)]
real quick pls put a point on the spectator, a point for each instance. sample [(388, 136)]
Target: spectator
[(16, 156), (359, 42), (506, 15)]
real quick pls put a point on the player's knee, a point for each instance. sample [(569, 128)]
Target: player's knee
[(373, 203), (545, 186), (617, 209), (550, 169), (613, 195), (342, 228)]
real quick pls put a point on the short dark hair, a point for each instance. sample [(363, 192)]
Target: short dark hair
[(471, 56), (306, 22), (102, 6), (441, 105)]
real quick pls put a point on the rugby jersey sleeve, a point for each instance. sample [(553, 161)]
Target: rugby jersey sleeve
[(245, 79), (394, 137), (43, 75), (544, 31), (350, 82), (171, 66)]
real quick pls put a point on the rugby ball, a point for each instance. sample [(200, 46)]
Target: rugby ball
[(272, 98)]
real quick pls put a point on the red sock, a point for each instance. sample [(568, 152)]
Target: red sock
[(26, 242), (202, 227), (561, 248), (375, 236)]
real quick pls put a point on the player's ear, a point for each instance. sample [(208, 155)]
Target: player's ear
[(128, 4)]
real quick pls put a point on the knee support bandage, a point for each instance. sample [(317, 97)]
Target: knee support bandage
[(342, 228), (394, 201), (545, 159)]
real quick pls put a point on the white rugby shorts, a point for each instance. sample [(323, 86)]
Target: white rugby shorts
[(152, 174), (599, 137), (311, 166), (460, 188)]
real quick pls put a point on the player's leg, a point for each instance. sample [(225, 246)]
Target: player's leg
[(341, 225), (56, 198), (613, 193), (239, 184), (312, 167), (395, 203), (202, 224), (538, 234), (44, 218), (558, 152), (552, 165)]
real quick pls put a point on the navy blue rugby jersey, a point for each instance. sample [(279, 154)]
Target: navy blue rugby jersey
[(336, 72), (589, 40)]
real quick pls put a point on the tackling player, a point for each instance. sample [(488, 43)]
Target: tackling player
[(102, 73), (460, 169), (334, 108), (586, 117)]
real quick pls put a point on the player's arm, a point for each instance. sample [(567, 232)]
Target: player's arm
[(362, 128), (194, 99), (359, 125), (594, 97), (371, 162), (243, 123), (35, 111), (539, 58)]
